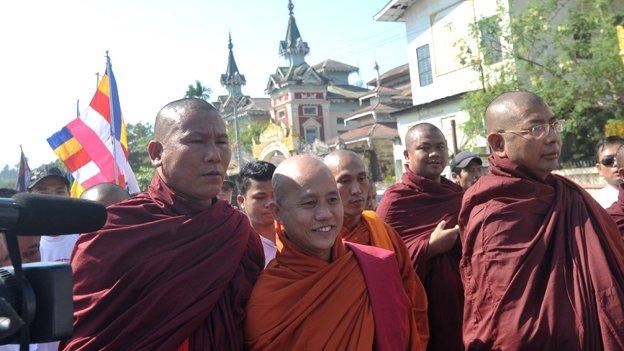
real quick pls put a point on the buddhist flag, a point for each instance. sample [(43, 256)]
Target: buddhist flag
[(94, 146), (23, 174)]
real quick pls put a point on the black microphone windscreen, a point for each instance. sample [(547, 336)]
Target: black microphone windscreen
[(55, 215)]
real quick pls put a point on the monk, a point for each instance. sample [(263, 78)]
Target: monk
[(366, 228), (315, 296), (420, 208), (173, 267), (105, 193), (542, 262), (616, 211)]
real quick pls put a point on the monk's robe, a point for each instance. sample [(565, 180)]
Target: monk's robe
[(616, 211), (374, 232), (414, 208), (542, 265), (355, 302), (163, 273)]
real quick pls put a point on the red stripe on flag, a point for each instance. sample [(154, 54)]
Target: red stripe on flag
[(77, 160), (95, 180), (101, 105), (95, 147)]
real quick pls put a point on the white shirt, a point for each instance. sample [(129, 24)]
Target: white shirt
[(57, 248), (606, 196), (269, 250)]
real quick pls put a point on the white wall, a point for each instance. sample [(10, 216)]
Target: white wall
[(443, 24)]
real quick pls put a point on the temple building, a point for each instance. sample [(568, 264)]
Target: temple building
[(308, 103)]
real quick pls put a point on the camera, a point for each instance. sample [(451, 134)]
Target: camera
[(36, 303)]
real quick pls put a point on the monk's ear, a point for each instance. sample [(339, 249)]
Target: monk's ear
[(155, 149), (241, 201), (497, 143), (406, 155), (620, 173)]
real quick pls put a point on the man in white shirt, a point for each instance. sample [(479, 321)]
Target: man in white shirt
[(607, 168), (255, 199)]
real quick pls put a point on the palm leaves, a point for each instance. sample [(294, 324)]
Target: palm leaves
[(198, 91)]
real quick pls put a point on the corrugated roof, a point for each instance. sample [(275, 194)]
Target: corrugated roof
[(374, 131), (332, 65)]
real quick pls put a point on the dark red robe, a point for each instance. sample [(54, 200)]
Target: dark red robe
[(163, 271), (616, 211), (542, 265), (414, 208)]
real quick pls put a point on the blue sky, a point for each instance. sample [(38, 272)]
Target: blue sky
[(51, 50)]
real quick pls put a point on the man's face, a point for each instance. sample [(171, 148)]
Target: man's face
[(469, 175), (225, 193), (50, 186), (427, 155), (352, 184), (541, 156), (257, 203), (195, 155), (311, 212), (609, 171), (29, 249)]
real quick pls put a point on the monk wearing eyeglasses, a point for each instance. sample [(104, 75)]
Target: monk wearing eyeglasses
[(542, 263)]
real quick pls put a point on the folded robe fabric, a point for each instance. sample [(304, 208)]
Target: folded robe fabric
[(414, 208), (373, 231), (542, 265), (301, 302), (162, 273)]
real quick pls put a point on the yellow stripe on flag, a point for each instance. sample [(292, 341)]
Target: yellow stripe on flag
[(68, 148), (76, 190), (104, 86)]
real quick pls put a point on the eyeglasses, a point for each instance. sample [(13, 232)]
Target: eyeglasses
[(608, 161), (539, 131)]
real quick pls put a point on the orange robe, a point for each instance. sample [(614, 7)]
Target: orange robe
[(372, 230), (301, 302)]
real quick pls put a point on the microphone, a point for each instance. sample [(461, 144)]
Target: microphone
[(33, 214)]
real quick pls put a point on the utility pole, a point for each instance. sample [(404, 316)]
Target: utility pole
[(239, 159)]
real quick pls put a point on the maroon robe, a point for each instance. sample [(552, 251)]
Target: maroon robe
[(616, 211), (162, 271), (542, 265), (414, 208)]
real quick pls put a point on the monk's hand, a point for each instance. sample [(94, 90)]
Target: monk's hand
[(442, 240)]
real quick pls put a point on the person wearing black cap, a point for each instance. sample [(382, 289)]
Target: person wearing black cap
[(466, 169), (48, 180)]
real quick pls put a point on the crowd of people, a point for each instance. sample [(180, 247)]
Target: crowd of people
[(302, 258)]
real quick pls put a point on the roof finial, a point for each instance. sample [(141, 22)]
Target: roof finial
[(230, 46), (377, 69), (290, 7)]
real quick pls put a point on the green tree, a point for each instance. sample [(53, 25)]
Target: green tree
[(198, 91), (8, 177), (139, 135), (248, 132), (565, 51)]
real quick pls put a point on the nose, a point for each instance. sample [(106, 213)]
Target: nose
[(356, 188), (212, 153), (323, 213), (553, 136)]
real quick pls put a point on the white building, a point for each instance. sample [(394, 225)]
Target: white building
[(435, 30)]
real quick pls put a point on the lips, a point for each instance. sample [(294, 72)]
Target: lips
[(324, 229), (551, 155), (356, 201)]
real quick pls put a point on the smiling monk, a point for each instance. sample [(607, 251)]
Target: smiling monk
[(419, 208), (173, 267), (542, 263), (315, 296)]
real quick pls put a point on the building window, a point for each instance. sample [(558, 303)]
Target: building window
[(310, 135), (490, 41), (424, 65), (310, 110), (340, 121)]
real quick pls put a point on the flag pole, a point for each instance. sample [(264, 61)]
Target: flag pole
[(112, 117)]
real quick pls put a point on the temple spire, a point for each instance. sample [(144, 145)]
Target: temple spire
[(293, 48), (232, 80)]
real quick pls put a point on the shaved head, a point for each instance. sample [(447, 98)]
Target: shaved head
[(419, 129), (171, 113), (506, 110), (106, 194), (619, 157), (307, 204), (296, 170), (335, 158)]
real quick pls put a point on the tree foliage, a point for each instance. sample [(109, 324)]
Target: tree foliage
[(198, 91), (565, 51), (139, 135)]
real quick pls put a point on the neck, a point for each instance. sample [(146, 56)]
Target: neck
[(266, 231), (350, 222)]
